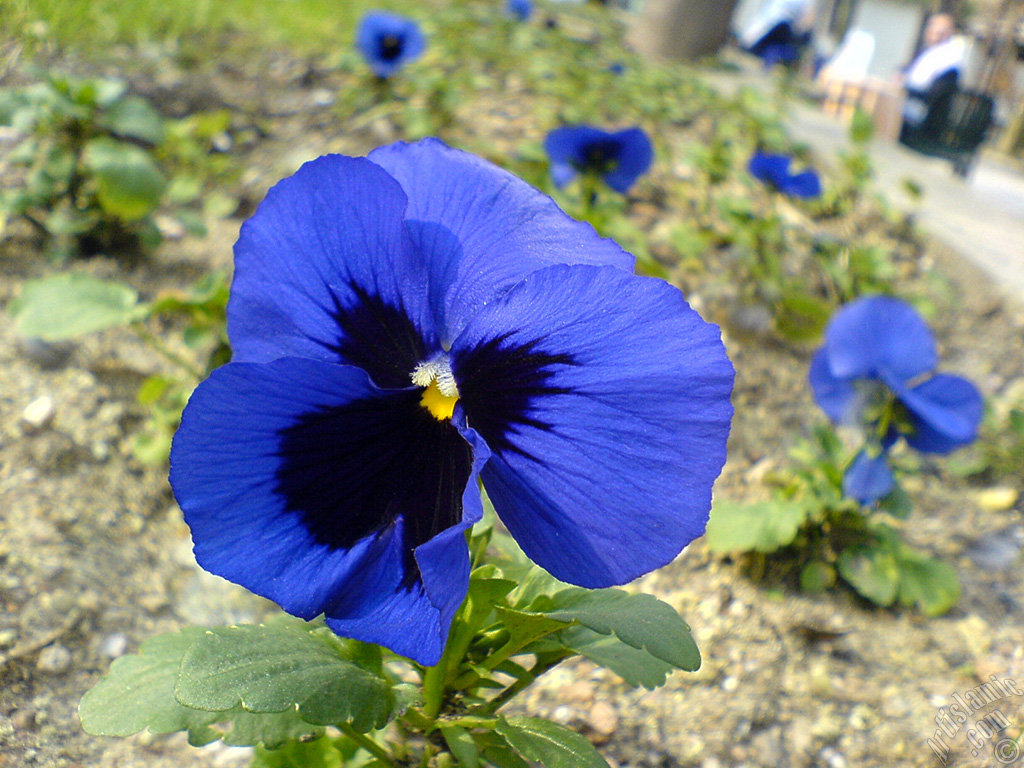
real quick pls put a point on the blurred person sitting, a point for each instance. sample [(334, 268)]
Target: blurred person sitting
[(779, 31), (930, 81)]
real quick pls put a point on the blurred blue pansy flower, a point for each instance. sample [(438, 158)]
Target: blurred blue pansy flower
[(388, 41), (405, 325), (877, 370), (616, 157), (774, 171), (519, 9)]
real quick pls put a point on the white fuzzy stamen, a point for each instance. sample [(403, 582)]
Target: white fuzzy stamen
[(439, 369)]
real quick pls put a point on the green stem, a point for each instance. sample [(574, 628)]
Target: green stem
[(544, 663), (433, 690), (147, 336), (368, 744)]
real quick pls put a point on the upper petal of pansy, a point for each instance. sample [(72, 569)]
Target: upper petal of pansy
[(326, 270), (879, 336), (771, 169), (482, 229), (806, 184), (634, 158), (945, 412), (568, 144), (605, 401), (309, 485)]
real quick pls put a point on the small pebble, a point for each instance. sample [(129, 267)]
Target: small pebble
[(322, 97), (114, 646), (833, 758), (997, 499), (730, 684), (603, 719), (997, 550), (39, 412), (54, 659), (24, 720)]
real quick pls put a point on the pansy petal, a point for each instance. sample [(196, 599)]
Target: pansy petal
[(868, 478), (568, 143), (326, 270), (605, 401), (946, 412), (482, 229), (634, 158), (771, 169), (406, 41), (562, 174), (838, 398), (879, 336), (307, 484), (806, 184)]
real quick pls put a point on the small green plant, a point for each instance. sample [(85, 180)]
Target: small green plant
[(69, 305), (811, 533), (91, 180)]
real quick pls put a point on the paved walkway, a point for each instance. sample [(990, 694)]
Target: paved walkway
[(981, 217)]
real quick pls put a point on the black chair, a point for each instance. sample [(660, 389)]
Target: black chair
[(958, 133)]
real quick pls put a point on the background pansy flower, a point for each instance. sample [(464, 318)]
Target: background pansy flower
[(774, 171), (388, 41), (519, 9), (618, 158), (405, 325), (877, 370)]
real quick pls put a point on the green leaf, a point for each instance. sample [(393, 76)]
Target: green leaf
[(897, 503), (549, 744), (129, 182), (801, 317), (272, 668), (817, 576), (67, 305), (636, 667), (138, 693), (872, 571), (928, 584), (524, 627), (642, 622), (462, 745), (496, 750), (134, 118), (761, 527), (270, 729), (319, 753)]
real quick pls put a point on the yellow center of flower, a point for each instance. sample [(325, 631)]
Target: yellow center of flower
[(441, 394)]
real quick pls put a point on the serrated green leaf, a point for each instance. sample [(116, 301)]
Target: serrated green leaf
[(272, 668), (319, 753), (462, 745), (272, 730), (129, 182), (549, 744), (872, 571), (138, 693), (524, 627), (640, 621), (636, 667), (761, 527), (134, 118), (67, 305), (930, 585)]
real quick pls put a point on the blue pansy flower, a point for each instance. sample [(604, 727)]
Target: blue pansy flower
[(405, 325), (619, 158), (780, 53), (388, 41), (774, 171), (877, 370), (519, 9)]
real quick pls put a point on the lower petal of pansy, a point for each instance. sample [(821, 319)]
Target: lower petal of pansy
[(868, 478), (836, 397), (605, 401), (945, 412), (307, 484)]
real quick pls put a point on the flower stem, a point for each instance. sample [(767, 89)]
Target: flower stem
[(140, 330), (367, 743)]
